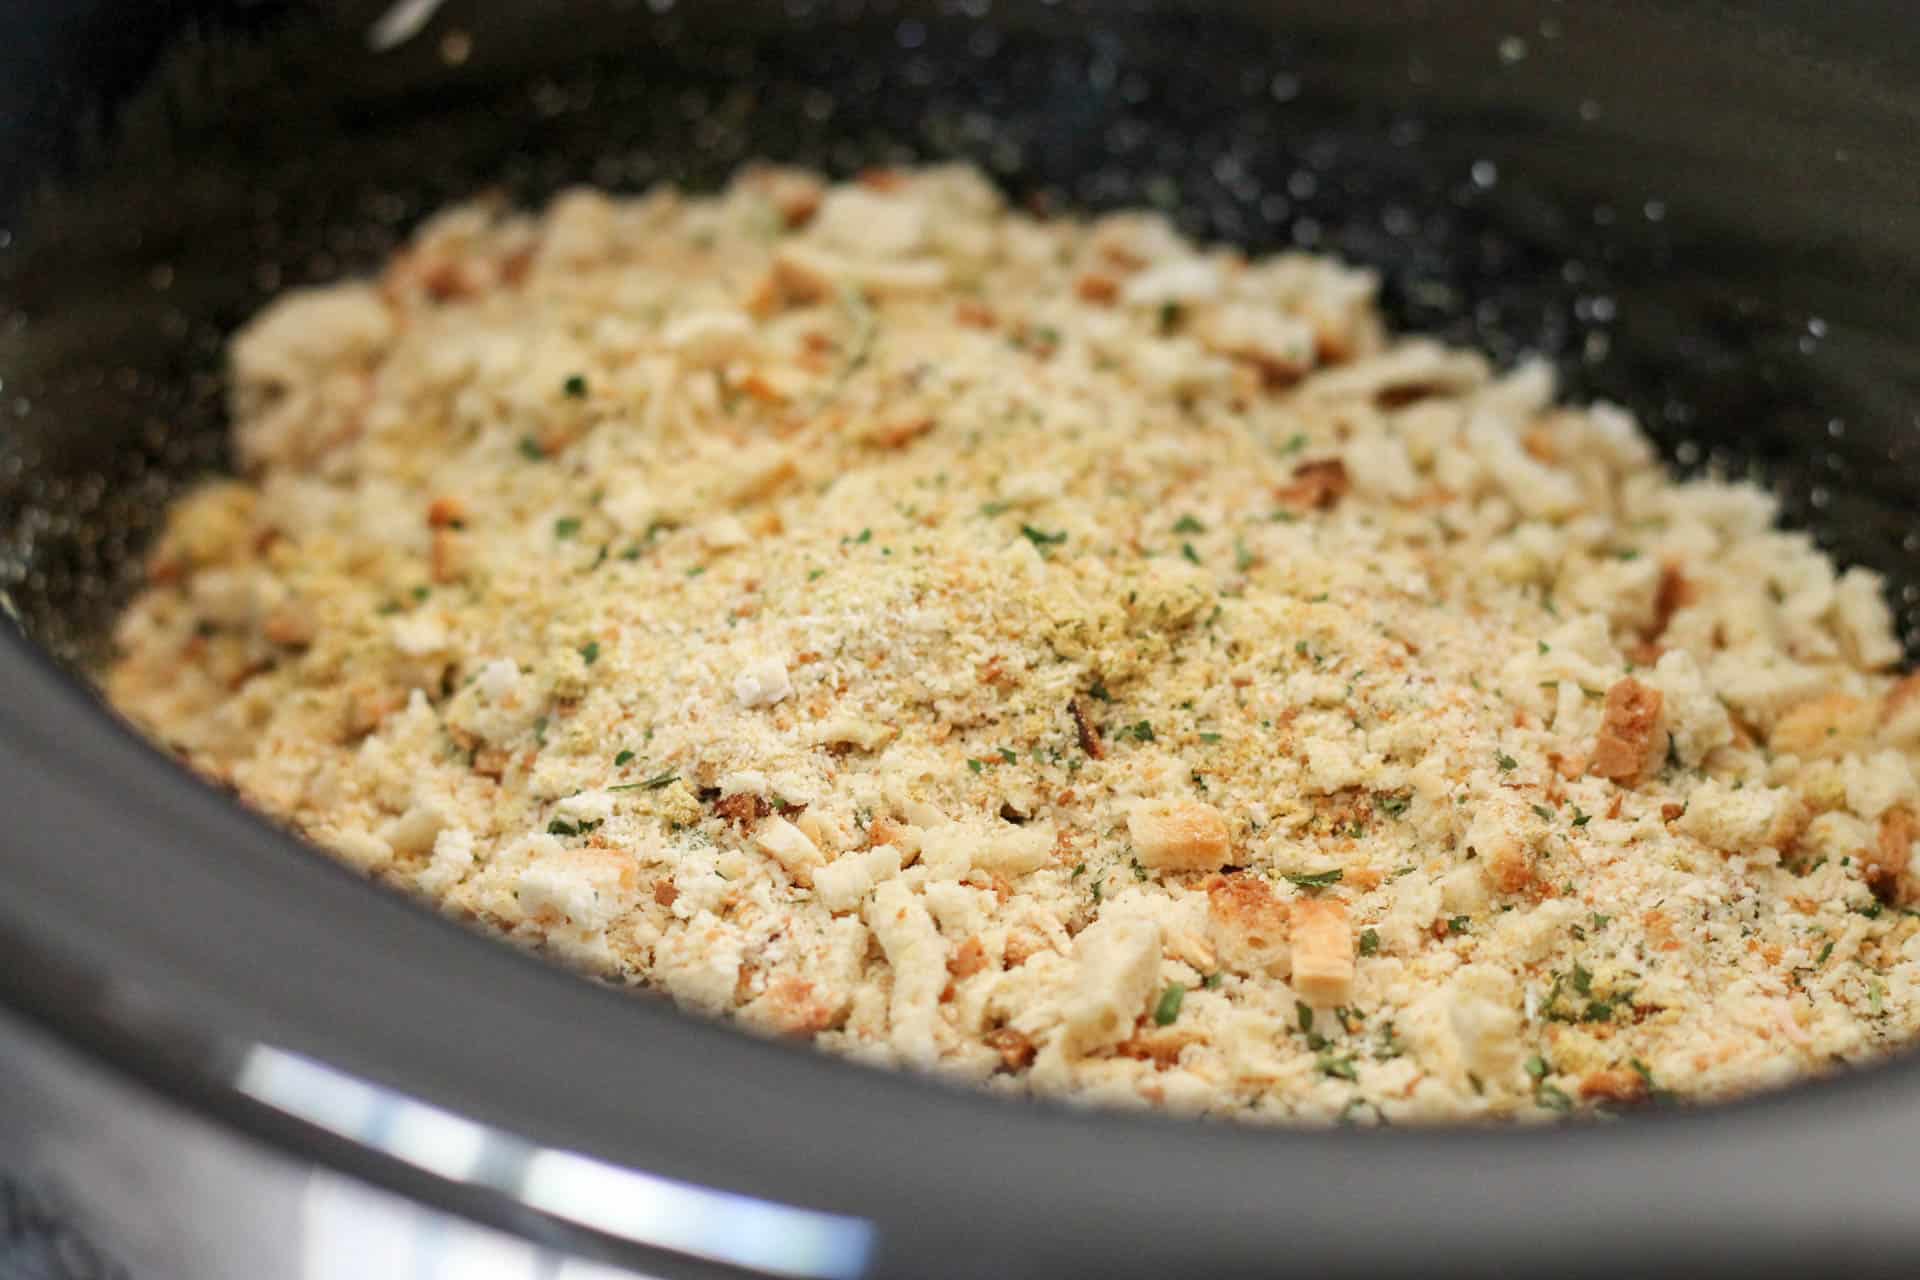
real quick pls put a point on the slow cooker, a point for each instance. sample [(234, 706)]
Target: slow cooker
[(225, 1057)]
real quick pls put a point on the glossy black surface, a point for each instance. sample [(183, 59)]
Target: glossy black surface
[(1712, 216)]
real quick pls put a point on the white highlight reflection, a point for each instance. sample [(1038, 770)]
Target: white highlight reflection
[(353, 1232), (405, 20), (659, 1212)]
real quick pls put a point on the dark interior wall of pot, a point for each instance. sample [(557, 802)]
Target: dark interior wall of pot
[(1711, 215)]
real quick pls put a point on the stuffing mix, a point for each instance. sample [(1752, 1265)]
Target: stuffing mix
[(1046, 652)]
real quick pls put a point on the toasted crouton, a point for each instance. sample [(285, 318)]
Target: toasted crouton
[(1829, 725), (1900, 712), (1248, 924), (1887, 859), (1632, 733), (1322, 951), (1184, 836)]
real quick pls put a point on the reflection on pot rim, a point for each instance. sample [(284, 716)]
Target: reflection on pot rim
[(658, 1212)]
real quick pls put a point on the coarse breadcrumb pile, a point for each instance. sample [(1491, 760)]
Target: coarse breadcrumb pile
[(1047, 652)]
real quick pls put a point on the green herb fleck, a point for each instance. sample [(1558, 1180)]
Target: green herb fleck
[(1169, 1007), (1186, 549), (624, 757), (976, 765), (590, 652), (1187, 524), (1552, 1098), (1317, 879), (1140, 732), (1545, 814), (1506, 762), (566, 526), (1460, 924), (1041, 538), (1654, 1091), (530, 449), (1553, 997), (1304, 1014), (1213, 980), (651, 784), (1341, 1068), (575, 386), (1369, 941)]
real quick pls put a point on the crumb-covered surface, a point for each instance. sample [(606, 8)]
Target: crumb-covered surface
[(1048, 652)]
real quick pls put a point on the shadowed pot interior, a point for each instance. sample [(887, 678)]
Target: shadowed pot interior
[(1711, 217)]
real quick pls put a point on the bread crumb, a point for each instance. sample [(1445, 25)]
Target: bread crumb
[(1043, 651)]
